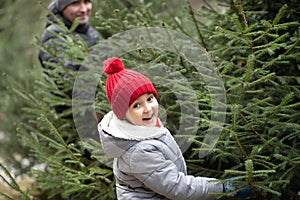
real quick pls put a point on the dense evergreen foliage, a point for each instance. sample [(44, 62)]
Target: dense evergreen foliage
[(255, 50), (19, 21)]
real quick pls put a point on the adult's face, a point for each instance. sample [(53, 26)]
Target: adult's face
[(80, 9)]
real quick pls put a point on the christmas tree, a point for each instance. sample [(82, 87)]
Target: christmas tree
[(228, 82)]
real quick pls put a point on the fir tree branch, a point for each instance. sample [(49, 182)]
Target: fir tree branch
[(6, 196), (192, 14), (242, 12), (58, 135), (12, 183), (235, 131)]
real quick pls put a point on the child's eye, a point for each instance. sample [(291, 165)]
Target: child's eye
[(136, 105), (150, 98)]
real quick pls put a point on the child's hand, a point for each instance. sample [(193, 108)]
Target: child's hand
[(230, 185)]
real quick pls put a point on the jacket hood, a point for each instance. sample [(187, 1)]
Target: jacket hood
[(119, 135)]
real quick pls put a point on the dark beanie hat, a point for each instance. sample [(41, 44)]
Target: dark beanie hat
[(124, 86), (62, 4)]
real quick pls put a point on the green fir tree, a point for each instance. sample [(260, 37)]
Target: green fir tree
[(245, 52)]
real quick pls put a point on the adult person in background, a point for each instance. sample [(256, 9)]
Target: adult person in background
[(67, 11)]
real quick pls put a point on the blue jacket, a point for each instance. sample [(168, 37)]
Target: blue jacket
[(148, 163)]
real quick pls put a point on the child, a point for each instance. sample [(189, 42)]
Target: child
[(148, 163)]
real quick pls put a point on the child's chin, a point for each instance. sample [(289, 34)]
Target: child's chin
[(149, 123)]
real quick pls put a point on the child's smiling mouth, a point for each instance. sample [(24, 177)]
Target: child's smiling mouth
[(148, 118)]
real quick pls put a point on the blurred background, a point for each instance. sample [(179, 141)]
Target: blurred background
[(20, 23)]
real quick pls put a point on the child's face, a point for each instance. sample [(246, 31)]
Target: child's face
[(143, 111)]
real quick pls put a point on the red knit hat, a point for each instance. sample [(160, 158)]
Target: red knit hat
[(124, 86)]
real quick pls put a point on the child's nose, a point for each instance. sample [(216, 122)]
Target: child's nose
[(147, 107)]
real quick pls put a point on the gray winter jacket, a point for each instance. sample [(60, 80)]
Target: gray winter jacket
[(148, 163)]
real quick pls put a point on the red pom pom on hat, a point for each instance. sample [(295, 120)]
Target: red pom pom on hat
[(113, 65)]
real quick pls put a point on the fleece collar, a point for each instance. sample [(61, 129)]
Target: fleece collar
[(125, 130)]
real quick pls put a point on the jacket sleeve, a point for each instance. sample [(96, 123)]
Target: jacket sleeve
[(149, 165)]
